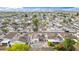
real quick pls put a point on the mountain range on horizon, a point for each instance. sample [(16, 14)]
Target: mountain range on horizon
[(31, 9)]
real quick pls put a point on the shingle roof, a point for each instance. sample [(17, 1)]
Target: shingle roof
[(10, 35)]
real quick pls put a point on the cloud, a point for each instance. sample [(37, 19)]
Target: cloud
[(37, 3)]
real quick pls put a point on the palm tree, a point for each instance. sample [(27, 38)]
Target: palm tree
[(68, 44)]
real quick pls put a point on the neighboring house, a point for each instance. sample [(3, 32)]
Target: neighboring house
[(5, 42), (68, 35), (53, 37), (12, 36), (77, 35)]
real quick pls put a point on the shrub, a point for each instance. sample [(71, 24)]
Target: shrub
[(50, 43), (19, 47), (67, 45), (59, 47)]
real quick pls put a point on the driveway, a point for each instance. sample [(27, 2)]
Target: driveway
[(41, 46)]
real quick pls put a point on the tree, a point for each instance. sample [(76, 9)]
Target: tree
[(34, 16), (5, 30), (65, 21), (15, 23), (36, 24), (54, 16), (77, 14), (70, 20), (19, 47), (44, 16), (5, 22)]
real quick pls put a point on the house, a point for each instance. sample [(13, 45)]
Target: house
[(18, 42), (24, 39), (34, 38), (42, 37)]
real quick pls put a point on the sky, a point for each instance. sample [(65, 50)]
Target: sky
[(38, 3)]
